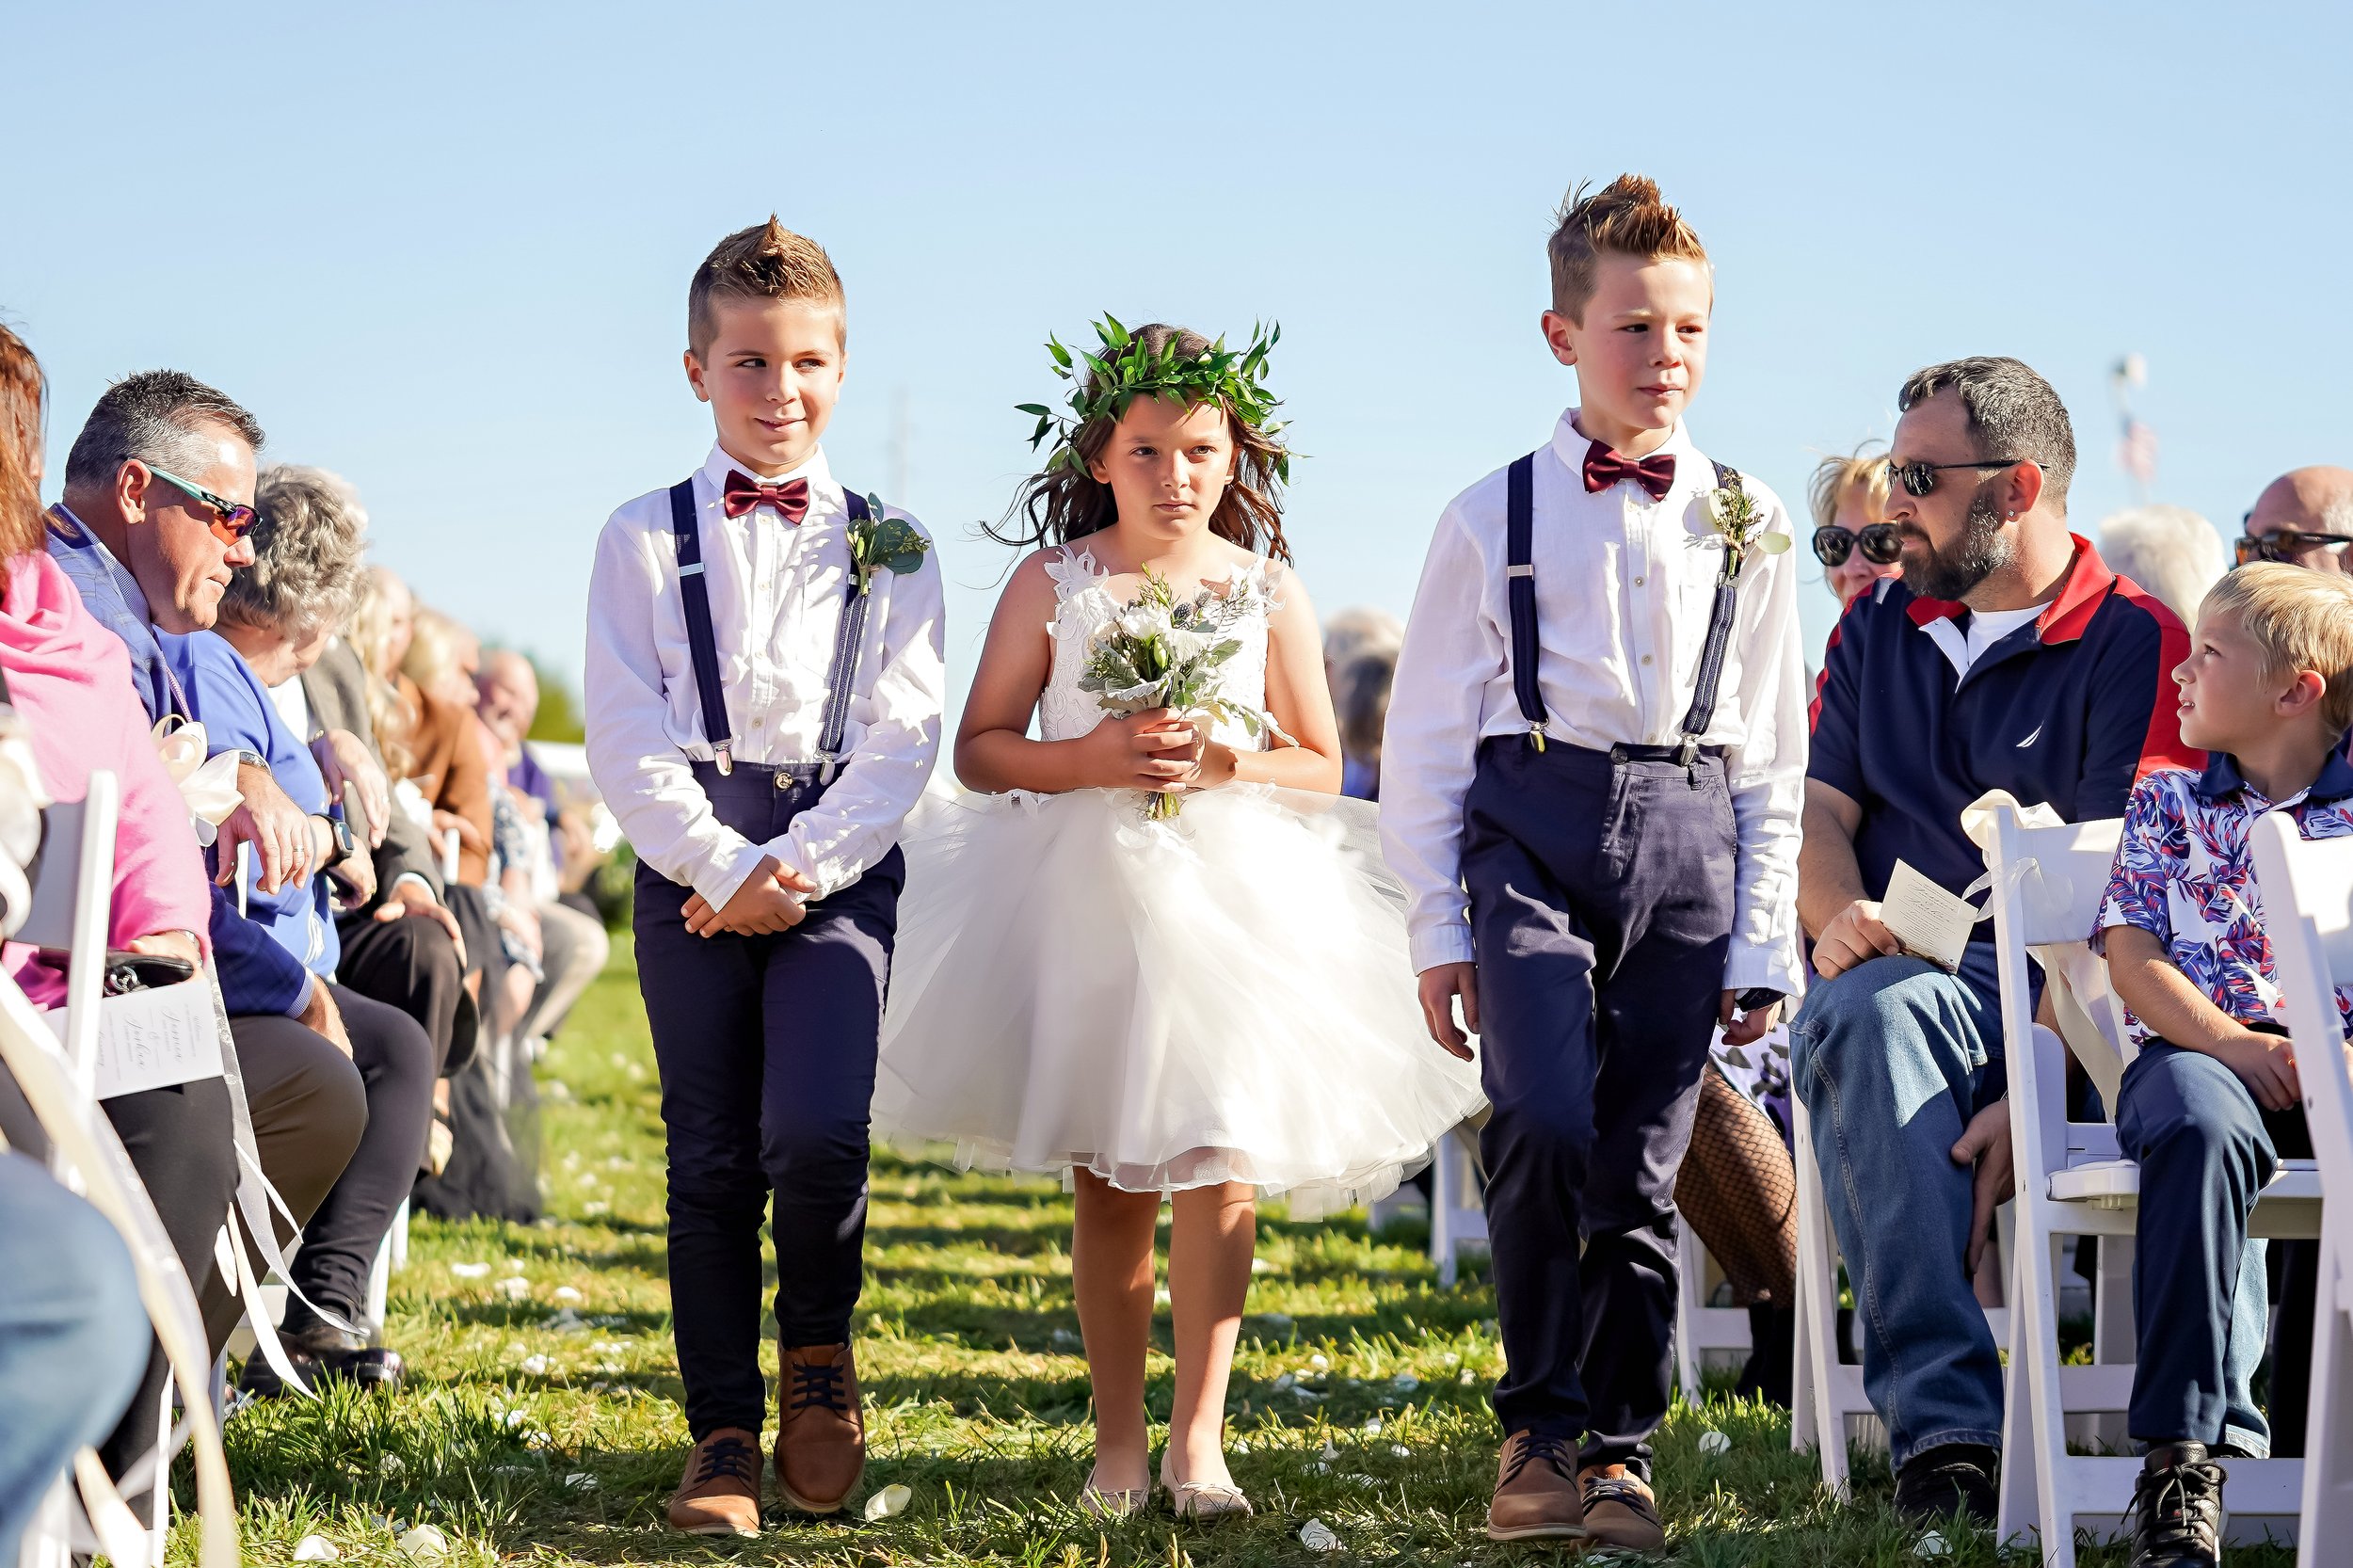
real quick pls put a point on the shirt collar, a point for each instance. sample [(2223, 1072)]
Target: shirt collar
[(2222, 779), (2081, 593), (820, 485), (125, 583), (1569, 444)]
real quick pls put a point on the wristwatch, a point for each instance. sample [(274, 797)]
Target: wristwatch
[(345, 846), (1758, 997), (247, 759)]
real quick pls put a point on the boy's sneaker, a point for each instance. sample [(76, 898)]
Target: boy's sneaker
[(1536, 1496), (1620, 1509), (2177, 1509), (1950, 1478), (719, 1494), (821, 1432)]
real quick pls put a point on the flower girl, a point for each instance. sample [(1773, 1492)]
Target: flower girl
[(1155, 952)]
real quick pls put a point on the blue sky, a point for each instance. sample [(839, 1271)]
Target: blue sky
[(444, 251)]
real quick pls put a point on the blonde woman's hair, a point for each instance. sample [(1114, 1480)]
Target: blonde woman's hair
[(368, 632), (2302, 620), (1835, 479), (432, 660), (2170, 550)]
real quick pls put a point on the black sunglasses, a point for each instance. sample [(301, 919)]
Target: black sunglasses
[(1880, 543), (1920, 479), (2285, 545)]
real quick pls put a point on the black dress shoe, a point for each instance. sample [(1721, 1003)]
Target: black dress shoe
[(322, 1352), (2177, 1509), (1948, 1479)]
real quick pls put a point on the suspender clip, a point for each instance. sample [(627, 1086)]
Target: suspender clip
[(1536, 733), (826, 761), (1688, 754), (724, 762)]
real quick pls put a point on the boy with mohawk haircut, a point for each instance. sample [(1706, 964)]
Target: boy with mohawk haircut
[(764, 685), (1601, 844)]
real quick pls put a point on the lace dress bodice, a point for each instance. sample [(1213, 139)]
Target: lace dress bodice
[(1065, 713)]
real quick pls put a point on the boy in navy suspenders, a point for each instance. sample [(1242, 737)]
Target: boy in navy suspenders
[(1591, 781), (764, 686)]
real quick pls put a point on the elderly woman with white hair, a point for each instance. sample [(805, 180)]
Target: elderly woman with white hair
[(2170, 550), (276, 620)]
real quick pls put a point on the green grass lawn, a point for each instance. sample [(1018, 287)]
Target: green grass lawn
[(541, 1422)]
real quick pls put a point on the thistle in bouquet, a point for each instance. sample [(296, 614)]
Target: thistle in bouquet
[(1163, 650)]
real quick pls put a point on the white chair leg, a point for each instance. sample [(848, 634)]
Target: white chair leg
[(2327, 1511), (1691, 1274), (1442, 1201), (2018, 1512), (400, 1236), (48, 1534), (2045, 1427), (1817, 1290), (379, 1289)]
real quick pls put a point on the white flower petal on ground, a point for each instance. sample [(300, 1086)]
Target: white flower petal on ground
[(1320, 1362), (536, 1366), (565, 1293), (1401, 1450), (514, 1265), (1406, 1383), (1373, 1427), (1714, 1443), (1931, 1548), (466, 1270), (1260, 1266), (316, 1548), (424, 1543), (580, 1480), (1329, 1452), (1285, 1384), (1317, 1537), (392, 1465), (891, 1501), (514, 1289)]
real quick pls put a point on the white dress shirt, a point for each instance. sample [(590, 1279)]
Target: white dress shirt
[(777, 593), (1624, 587)]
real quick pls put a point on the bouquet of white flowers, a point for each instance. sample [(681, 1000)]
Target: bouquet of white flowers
[(1163, 651)]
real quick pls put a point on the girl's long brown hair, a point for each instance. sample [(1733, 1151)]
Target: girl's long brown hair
[(22, 389), (1065, 503)]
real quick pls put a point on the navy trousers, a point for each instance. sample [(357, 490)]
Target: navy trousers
[(766, 1047), (2205, 1150), (1601, 893)]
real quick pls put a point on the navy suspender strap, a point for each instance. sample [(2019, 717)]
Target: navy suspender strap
[(842, 675), (1720, 621), (1519, 527), (1519, 587), (704, 648), (701, 644)]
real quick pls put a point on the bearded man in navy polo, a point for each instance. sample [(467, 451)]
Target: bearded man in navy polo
[(2006, 657)]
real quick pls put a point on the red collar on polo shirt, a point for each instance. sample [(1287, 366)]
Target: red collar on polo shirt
[(2081, 594)]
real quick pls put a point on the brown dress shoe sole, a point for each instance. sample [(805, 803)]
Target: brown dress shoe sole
[(1536, 1532), (717, 1527)]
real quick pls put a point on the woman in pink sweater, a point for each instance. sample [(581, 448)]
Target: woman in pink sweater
[(70, 680)]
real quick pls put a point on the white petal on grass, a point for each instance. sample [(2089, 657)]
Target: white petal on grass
[(1317, 1537), (1329, 1451), (891, 1500), (1260, 1266), (565, 1293), (1933, 1546), (467, 1271), (1285, 1384), (1714, 1443), (1373, 1427), (514, 1265), (580, 1480), (514, 1288), (1401, 1450), (424, 1543), (536, 1366), (1321, 1362), (316, 1548), (1406, 1383)]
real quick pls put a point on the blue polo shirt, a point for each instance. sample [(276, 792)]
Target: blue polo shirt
[(2069, 710)]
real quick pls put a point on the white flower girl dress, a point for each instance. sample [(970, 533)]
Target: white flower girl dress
[(1225, 996)]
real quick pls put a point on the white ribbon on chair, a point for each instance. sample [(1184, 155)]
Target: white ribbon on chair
[(208, 786)]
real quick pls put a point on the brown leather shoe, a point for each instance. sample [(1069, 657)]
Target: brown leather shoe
[(1620, 1509), (1536, 1496), (820, 1435), (719, 1494)]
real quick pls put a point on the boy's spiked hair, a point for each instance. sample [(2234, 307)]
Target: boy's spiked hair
[(766, 260), (1626, 215), (2302, 620)]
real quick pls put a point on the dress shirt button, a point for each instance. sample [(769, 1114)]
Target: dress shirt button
[(1646, 658), (1639, 581)]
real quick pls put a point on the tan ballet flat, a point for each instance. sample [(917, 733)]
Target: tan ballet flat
[(1200, 1500)]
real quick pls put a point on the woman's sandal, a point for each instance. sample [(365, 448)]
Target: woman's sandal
[(1202, 1501), (1096, 1503)]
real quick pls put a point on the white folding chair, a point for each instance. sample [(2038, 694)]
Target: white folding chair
[(2308, 914), (1458, 1212), (2048, 883), (1698, 1327)]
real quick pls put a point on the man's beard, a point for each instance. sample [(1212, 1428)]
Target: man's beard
[(1983, 549)]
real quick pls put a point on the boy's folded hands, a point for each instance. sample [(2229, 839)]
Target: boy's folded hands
[(771, 898)]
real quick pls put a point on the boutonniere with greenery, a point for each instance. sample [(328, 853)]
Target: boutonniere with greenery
[(1732, 512), (880, 543), (1123, 369)]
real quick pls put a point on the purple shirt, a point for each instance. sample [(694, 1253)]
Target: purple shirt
[(2185, 872)]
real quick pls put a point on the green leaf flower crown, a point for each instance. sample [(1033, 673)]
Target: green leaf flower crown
[(1125, 369)]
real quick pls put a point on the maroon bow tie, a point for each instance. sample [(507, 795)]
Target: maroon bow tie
[(1605, 467), (742, 494)]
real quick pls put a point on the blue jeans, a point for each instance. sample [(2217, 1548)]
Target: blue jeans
[(2205, 1150), (1892, 1058), (74, 1338)]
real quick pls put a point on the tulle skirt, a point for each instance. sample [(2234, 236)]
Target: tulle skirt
[(1225, 995)]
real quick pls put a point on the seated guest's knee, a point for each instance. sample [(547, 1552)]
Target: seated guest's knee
[(1862, 1013), (2186, 1111)]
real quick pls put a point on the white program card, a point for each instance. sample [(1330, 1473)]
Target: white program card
[(154, 1038), (1930, 923)]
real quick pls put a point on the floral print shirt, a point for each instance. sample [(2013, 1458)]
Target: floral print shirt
[(2185, 872)]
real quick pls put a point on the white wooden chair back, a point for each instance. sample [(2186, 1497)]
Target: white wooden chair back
[(70, 899), (2048, 883), (2308, 916)]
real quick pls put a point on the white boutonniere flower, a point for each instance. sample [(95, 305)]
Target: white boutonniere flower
[(1733, 514), (879, 543)]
